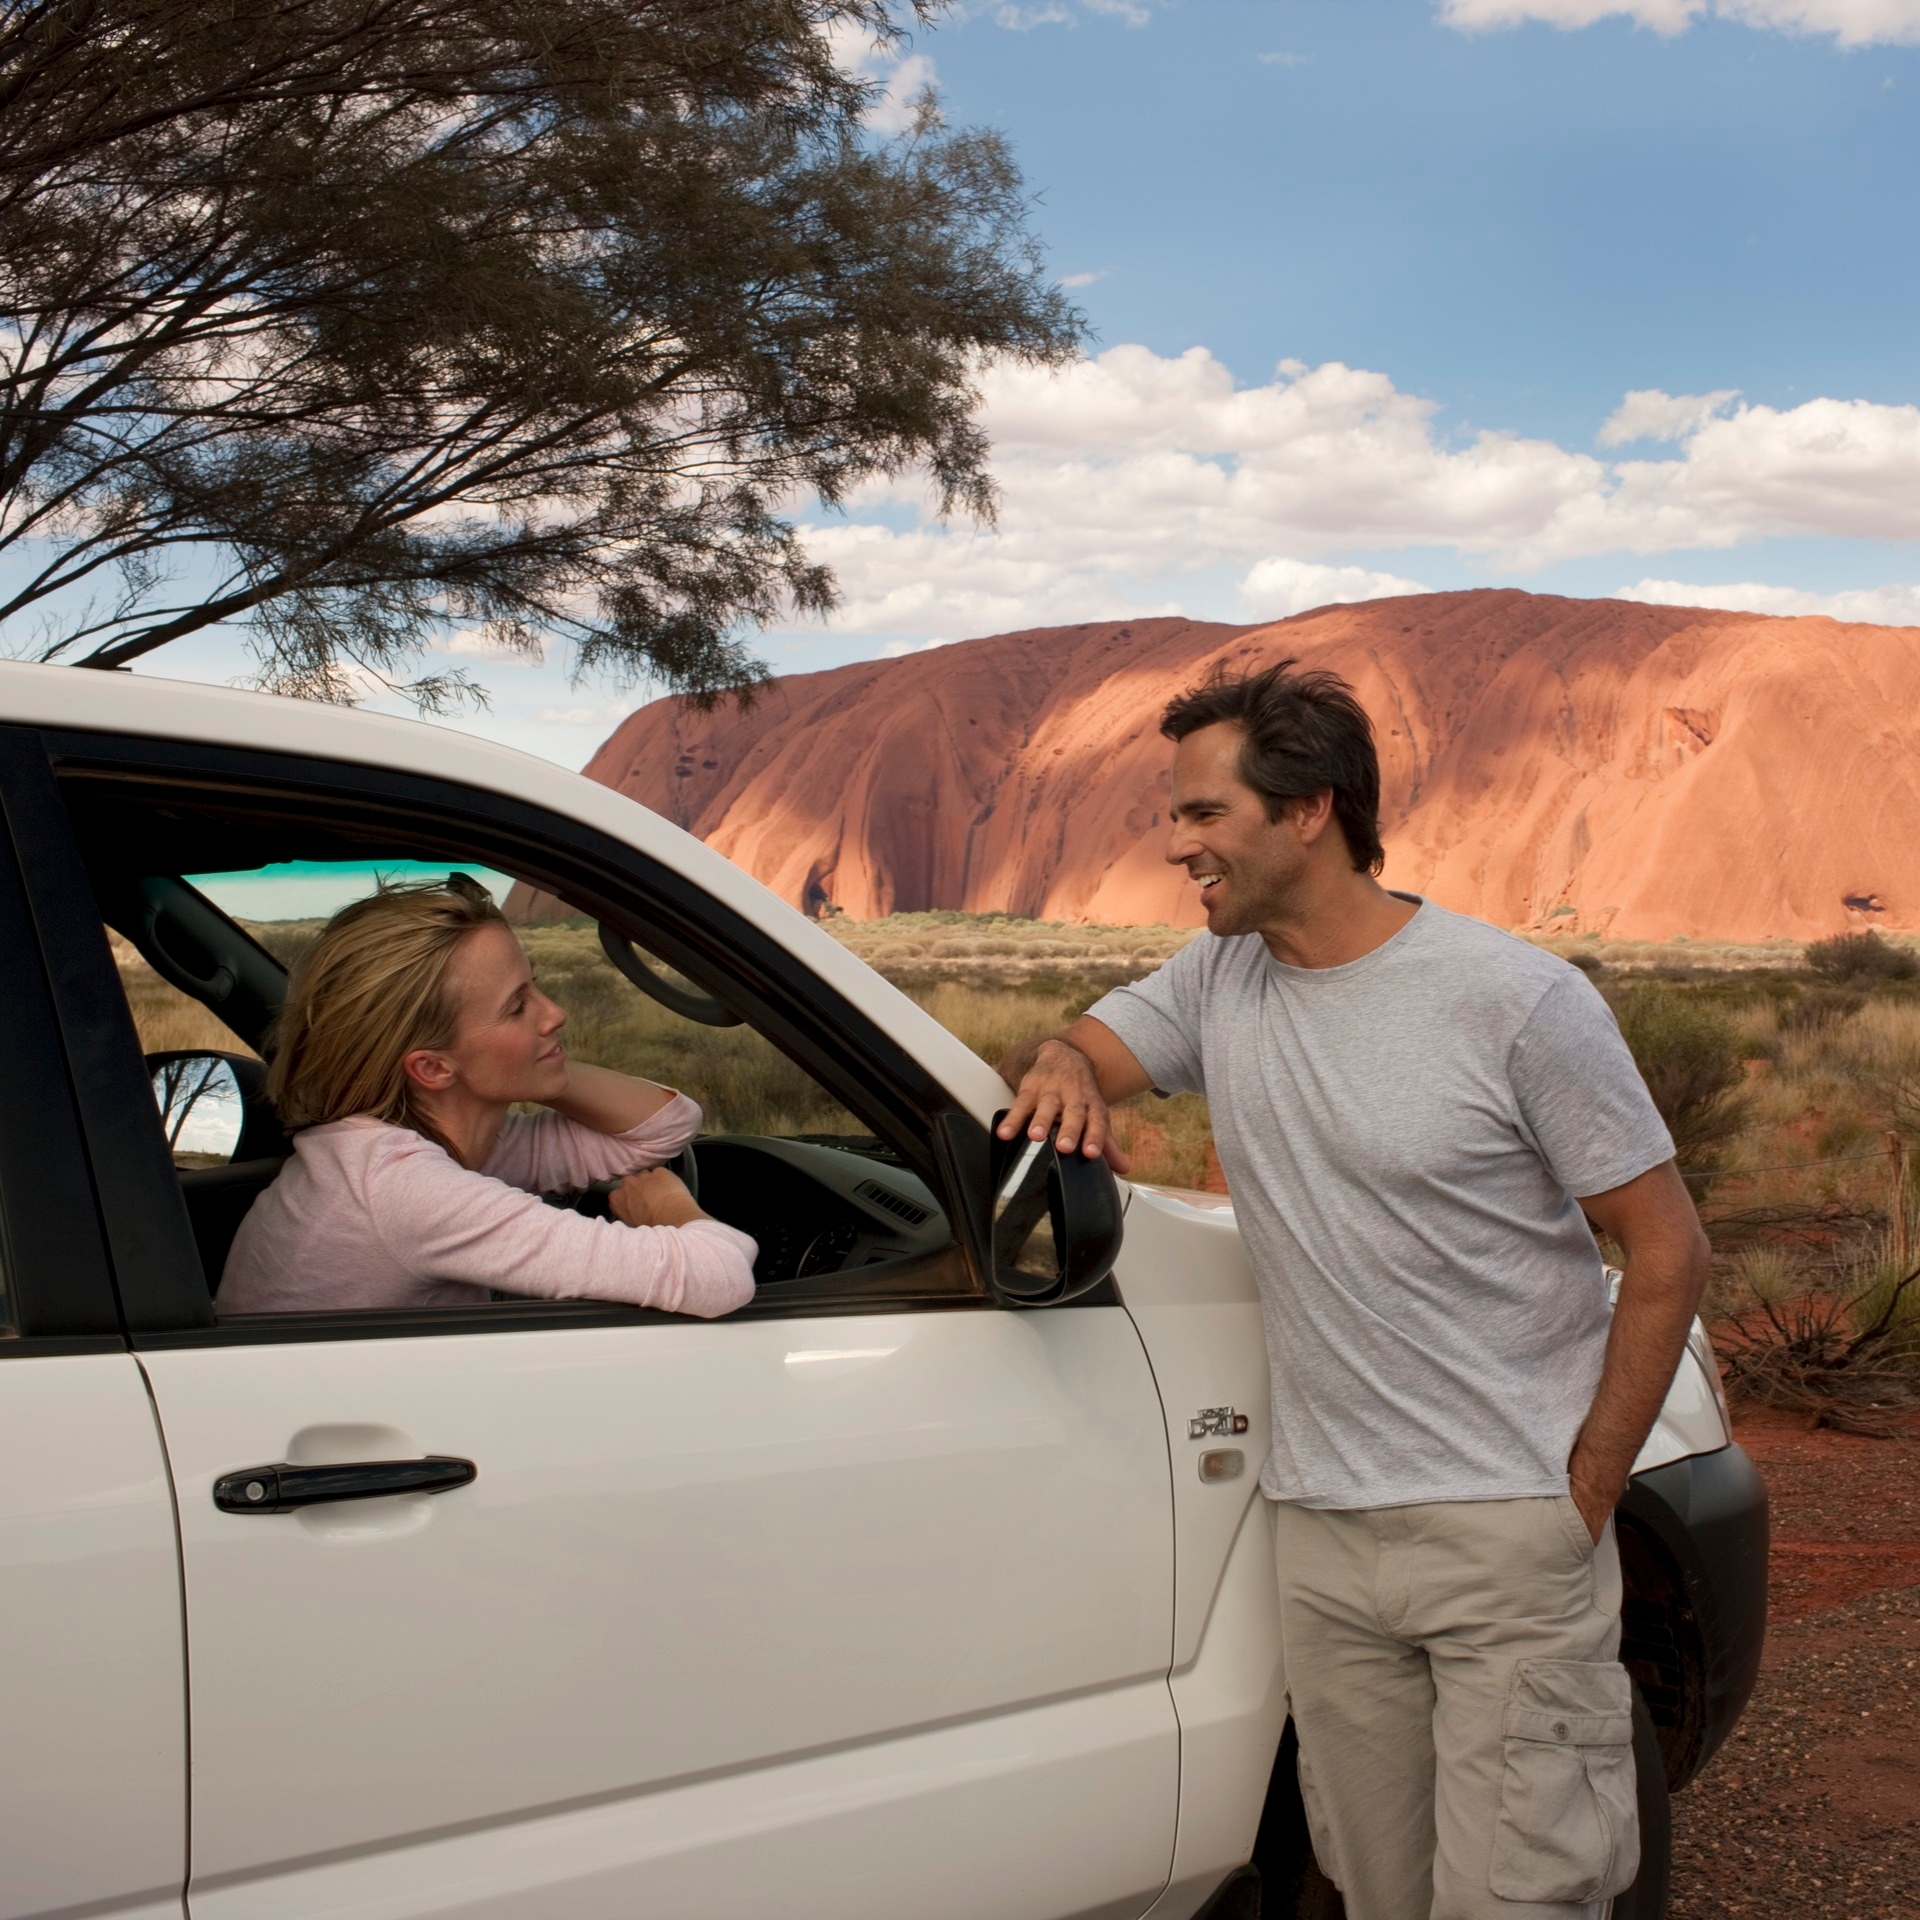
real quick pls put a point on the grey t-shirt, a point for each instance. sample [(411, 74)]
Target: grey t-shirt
[(1404, 1137)]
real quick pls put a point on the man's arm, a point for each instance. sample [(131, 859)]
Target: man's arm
[(1653, 1222), (1072, 1077)]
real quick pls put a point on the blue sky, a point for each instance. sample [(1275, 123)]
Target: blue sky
[(315, 889), (1558, 294)]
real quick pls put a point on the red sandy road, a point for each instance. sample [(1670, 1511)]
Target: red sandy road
[(1812, 1811)]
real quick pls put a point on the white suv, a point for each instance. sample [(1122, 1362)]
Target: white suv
[(935, 1582)]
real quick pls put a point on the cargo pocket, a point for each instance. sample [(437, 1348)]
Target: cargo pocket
[(1317, 1830), (1569, 1825)]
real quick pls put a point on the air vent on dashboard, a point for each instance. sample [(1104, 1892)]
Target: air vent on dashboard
[(893, 1203)]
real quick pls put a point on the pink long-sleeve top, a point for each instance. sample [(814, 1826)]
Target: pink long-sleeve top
[(371, 1215)]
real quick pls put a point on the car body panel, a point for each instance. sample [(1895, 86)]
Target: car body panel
[(1184, 1276), (695, 1552), (1232, 1702), (1708, 1516), (93, 1758), (1013, 1815)]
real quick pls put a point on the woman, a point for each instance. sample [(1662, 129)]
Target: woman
[(410, 1030)]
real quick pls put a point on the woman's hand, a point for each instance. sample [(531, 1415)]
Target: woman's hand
[(655, 1198)]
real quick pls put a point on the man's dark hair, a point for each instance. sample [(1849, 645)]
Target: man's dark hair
[(1300, 734)]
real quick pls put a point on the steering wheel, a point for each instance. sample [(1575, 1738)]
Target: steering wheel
[(687, 1167), (592, 1200)]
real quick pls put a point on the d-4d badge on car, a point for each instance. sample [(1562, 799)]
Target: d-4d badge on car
[(1212, 1420)]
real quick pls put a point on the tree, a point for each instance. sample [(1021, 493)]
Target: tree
[(354, 321)]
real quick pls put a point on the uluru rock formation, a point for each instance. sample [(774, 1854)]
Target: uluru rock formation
[(1580, 765)]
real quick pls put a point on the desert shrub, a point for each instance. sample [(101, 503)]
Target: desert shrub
[(1861, 959), (1589, 963), (1169, 1141), (1845, 1348), (1822, 1007), (1692, 1059)]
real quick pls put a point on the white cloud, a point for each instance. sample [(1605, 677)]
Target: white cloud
[(1650, 414), (1283, 59), (1845, 468), (1053, 13), (1852, 23), (1278, 587), (477, 643), (905, 84), (1082, 279), (902, 79), (1487, 16), (1124, 476), (949, 585), (603, 714), (1892, 606)]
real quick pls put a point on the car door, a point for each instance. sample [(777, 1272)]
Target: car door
[(93, 1814), (840, 1613)]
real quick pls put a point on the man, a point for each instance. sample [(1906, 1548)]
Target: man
[(1422, 1120)]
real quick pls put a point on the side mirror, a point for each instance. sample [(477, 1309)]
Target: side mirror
[(201, 1109), (1056, 1222)]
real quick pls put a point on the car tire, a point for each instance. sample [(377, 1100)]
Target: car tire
[(1290, 1885), (1646, 1899)]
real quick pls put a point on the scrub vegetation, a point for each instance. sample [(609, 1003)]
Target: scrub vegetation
[(1791, 1083)]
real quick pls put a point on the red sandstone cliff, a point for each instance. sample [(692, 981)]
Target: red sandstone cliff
[(1657, 770)]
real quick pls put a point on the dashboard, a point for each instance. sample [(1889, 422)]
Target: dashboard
[(817, 1209)]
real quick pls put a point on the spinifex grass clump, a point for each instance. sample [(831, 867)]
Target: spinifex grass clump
[(1843, 1349)]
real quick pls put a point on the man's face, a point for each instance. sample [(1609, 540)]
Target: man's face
[(1246, 865)]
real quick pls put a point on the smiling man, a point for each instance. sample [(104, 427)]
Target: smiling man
[(1422, 1121)]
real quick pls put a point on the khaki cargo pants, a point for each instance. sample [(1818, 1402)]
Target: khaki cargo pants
[(1465, 1725)]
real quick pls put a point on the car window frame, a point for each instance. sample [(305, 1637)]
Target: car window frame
[(60, 1296), (687, 927)]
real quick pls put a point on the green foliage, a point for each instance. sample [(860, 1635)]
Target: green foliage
[(1860, 959), (526, 316), (1691, 1057)]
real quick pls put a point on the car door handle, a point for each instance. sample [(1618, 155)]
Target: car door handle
[(281, 1488)]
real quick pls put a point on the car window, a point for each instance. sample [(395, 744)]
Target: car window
[(829, 1202), (742, 1082)]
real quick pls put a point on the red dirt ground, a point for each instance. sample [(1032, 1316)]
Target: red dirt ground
[(1812, 1809)]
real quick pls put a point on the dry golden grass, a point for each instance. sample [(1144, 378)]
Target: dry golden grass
[(993, 949), (166, 1020), (982, 949), (743, 1082), (1828, 1071)]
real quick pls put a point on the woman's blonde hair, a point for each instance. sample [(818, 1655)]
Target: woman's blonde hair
[(368, 992)]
